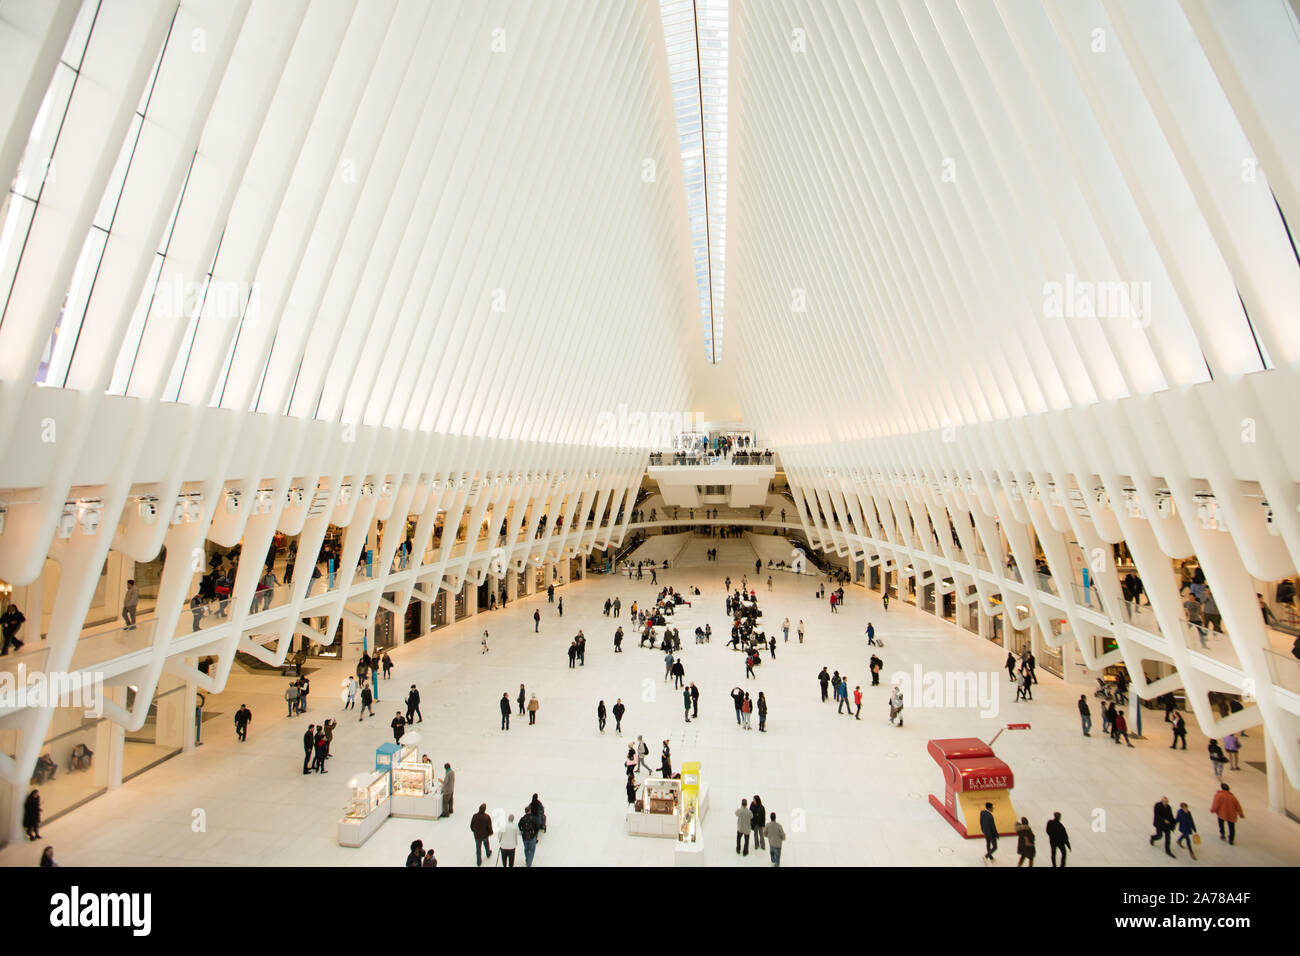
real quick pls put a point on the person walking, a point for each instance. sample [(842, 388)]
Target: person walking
[(857, 702), (762, 713), (559, 606), (1227, 808), (537, 620), (413, 706), (1163, 821), (1180, 731), (505, 711), (480, 824), (130, 601), (448, 790), (533, 707), (643, 751), (842, 692), (1057, 838), (785, 630), (989, 827), (600, 716), (1085, 715), (1186, 828), (398, 723), (1025, 842), (1010, 665), (871, 634), (749, 665), (1217, 759), (824, 679), (1118, 727), (484, 642), (242, 717), (669, 660), (744, 822), (351, 693), (618, 710), (775, 835), (366, 699), (520, 699), (799, 630), (507, 840), (679, 674), (529, 825)]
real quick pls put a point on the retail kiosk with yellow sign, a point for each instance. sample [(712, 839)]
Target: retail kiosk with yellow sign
[(689, 850)]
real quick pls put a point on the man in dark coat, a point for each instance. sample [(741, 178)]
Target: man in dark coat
[(505, 711), (1163, 821), (480, 825), (989, 827), (1057, 838), (308, 742)]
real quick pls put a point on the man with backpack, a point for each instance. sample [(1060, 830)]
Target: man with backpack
[(528, 832)]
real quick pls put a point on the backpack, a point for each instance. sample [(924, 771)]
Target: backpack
[(528, 827)]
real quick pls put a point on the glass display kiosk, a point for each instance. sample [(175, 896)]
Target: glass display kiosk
[(369, 807)]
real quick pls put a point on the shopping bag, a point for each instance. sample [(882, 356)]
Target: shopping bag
[(1196, 838)]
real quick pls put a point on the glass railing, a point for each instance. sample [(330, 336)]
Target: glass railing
[(1211, 643), (1284, 669), (661, 458), (1088, 596), (1046, 584)]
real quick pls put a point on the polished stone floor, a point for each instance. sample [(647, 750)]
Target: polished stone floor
[(849, 792)]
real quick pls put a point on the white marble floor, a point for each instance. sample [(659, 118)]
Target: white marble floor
[(848, 792)]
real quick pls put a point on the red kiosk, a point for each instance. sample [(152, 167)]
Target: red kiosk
[(972, 777)]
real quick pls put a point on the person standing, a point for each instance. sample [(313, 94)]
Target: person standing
[(785, 630), (775, 834), (746, 708), (351, 693), (668, 664), (320, 750), (1186, 828), (824, 679), (1057, 838), (600, 716), (413, 706), (308, 743), (666, 762), (291, 696), (989, 827), (1085, 715), (1227, 808), (484, 642), (1180, 731), (679, 674), (877, 665), (32, 815), (388, 666), (537, 620), (1025, 842), (800, 633), (896, 705), (1232, 746), (559, 606), (505, 711), (618, 641), (857, 702), (695, 700), (1010, 665), (398, 723), (758, 822), (507, 840), (686, 702), (448, 790), (1163, 821), (744, 823), (761, 706), (533, 706), (520, 700), (242, 717), (480, 824)]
